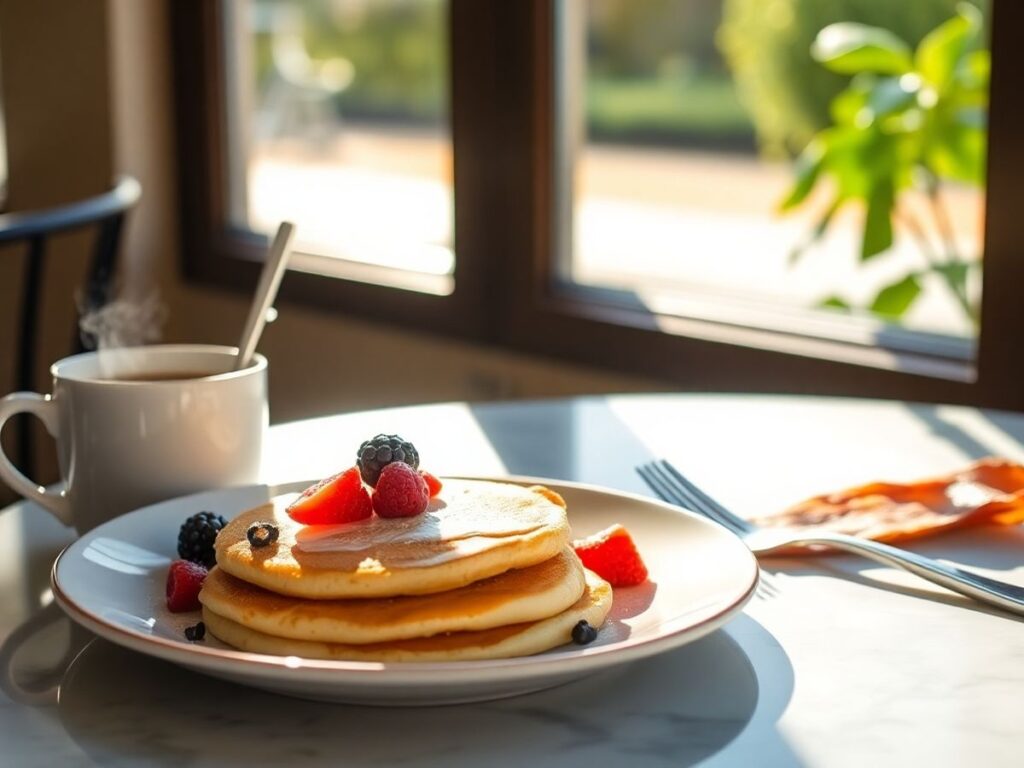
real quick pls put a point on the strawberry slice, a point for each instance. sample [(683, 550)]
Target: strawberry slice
[(340, 498), (613, 556), (184, 580), (433, 484)]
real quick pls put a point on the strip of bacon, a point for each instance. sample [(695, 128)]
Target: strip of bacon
[(990, 491)]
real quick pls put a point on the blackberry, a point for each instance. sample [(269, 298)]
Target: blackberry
[(583, 633), (196, 537), (377, 453)]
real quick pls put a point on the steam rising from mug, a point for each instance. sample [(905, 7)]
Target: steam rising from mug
[(124, 323)]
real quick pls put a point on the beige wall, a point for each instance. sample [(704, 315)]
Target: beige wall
[(87, 93), (53, 65)]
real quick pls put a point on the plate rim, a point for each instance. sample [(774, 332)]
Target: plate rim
[(250, 664)]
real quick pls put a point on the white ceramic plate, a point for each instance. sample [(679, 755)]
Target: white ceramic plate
[(112, 581)]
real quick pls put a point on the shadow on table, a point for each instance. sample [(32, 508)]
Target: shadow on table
[(678, 708), (582, 440), (993, 550), (1007, 425)]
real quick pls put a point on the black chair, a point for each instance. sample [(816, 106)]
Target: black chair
[(106, 212)]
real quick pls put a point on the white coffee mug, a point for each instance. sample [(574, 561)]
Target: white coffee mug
[(129, 433)]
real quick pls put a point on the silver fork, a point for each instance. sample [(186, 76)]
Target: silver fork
[(670, 484)]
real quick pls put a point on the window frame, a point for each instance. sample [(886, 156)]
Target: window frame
[(503, 94), (217, 253)]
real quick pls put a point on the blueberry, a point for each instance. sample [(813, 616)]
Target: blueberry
[(262, 534), (583, 633), (195, 634)]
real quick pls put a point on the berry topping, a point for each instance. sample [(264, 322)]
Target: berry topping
[(433, 484), (338, 499), (184, 580), (195, 539), (401, 492), (583, 633), (613, 556), (195, 634), (262, 534), (382, 450)]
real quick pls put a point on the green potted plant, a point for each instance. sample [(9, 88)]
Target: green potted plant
[(907, 122)]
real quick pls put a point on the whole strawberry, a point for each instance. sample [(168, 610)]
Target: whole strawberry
[(401, 491)]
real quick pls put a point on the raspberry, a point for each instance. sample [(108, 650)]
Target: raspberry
[(613, 556), (433, 484), (184, 580), (375, 454), (401, 492), (337, 499)]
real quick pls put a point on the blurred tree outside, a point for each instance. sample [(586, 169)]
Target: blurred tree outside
[(656, 76), (397, 50), (710, 73)]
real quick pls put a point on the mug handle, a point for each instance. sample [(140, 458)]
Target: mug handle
[(44, 407)]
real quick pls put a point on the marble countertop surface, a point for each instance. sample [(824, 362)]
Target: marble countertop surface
[(847, 663)]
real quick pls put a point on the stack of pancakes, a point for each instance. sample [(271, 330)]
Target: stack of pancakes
[(486, 572)]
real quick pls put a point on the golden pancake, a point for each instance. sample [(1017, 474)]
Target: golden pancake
[(513, 597), (497, 643), (474, 529)]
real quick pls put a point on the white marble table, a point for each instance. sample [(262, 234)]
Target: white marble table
[(849, 663)]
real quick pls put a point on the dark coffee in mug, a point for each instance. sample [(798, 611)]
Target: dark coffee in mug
[(162, 376)]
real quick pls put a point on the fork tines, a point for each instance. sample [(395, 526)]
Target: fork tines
[(669, 483), (672, 486)]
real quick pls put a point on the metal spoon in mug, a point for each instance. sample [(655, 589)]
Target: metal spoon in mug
[(266, 292)]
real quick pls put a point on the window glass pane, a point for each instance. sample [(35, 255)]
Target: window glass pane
[(338, 113), (745, 161)]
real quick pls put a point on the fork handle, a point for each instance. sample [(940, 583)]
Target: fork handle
[(1008, 597)]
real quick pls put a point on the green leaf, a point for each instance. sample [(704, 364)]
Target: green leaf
[(892, 94), (848, 158), (807, 169), (878, 221), (893, 301), (849, 48), (942, 49), (850, 102), (835, 302), (817, 233), (972, 117), (973, 72), (955, 274), (959, 155)]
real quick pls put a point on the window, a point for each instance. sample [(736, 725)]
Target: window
[(682, 121), (337, 118), (595, 181)]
